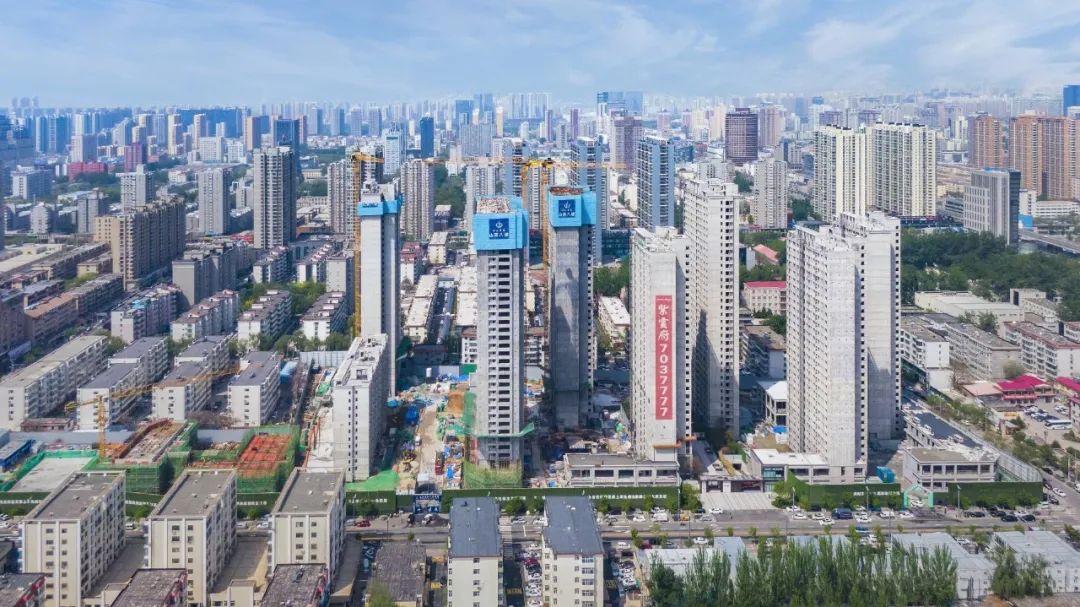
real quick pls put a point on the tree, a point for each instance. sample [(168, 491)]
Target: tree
[(610, 280), (988, 322), (777, 323), (115, 345), (665, 587), (635, 539), (513, 506), (744, 182), (1013, 369), (1016, 578), (337, 341), (603, 505)]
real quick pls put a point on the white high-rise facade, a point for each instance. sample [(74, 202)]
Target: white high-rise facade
[(659, 379), (589, 171), (136, 189), (843, 313), (903, 169), (655, 182), (770, 203), (501, 236), (712, 302), (841, 172), (393, 151), (213, 188), (480, 181), (992, 203), (380, 267), (339, 192), (418, 212), (275, 197)]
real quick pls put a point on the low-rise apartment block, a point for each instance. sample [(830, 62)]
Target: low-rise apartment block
[(74, 535), (1043, 352), (327, 315), (614, 320), (934, 469), (298, 586), (963, 303), (255, 390), (148, 313), (153, 588), (141, 363), (436, 250), (268, 318), (1062, 560), (312, 268), (215, 315), (572, 553), (925, 350), (308, 520), (212, 352), (183, 391), (474, 572), (272, 267), (983, 355), (765, 296), (39, 388), (194, 528)]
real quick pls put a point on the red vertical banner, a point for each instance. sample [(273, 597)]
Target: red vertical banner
[(663, 317)]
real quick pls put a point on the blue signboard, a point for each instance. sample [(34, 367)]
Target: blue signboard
[(567, 208), (499, 228)]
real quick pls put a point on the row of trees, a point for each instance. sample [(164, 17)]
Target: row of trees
[(1016, 577), (987, 266), (825, 572)]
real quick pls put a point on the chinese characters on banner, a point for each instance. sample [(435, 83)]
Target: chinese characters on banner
[(664, 319)]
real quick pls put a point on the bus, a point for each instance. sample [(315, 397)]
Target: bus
[(1056, 423)]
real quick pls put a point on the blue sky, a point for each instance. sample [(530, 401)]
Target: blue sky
[(108, 52)]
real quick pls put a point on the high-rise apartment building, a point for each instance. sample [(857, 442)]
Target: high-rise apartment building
[(536, 179), (655, 182), (741, 136), (770, 125), (992, 203), (254, 128), (712, 302), (1070, 97), (144, 240), (393, 143), (74, 535), (426, 126), (588, 170), (339, 192), (213, 190), (480, 182), (843, 312), (841, 172), (286, 132), (512, 152), (418, 212), (275, 197), (84, 148), (312, 504), (501, 235), (1045, 150), (572, 214), (903, 169), (194, 528), (659, 379), (136, 188), (380, 266), (360, 388), (626, 132), (770, 204), (986, 143)]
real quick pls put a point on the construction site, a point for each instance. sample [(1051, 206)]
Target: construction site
[(263, 457)]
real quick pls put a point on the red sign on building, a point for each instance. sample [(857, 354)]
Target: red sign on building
[(663, 317)]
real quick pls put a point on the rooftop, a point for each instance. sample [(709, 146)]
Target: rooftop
[(1046, 336), (82, 491), (766, 337), (777, 389), (140, 348), (14, 585), (401, 568), (195, 493), (1069, 383), (772, 457), (765, 284), (294, 585), (493, 204), (203, 347), (958, 454), (148, 588), (1044, 544), (474, 528), (1024, 382), (183, 374), (112, 376), (52, 360), (308, 491), (259, 365), (942, 430), (571, 527), (965, 560)]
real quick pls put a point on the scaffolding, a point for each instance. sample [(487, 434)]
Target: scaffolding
[(31, 463), (263, 458)]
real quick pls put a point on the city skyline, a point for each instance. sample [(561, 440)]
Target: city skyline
[(423, 50)]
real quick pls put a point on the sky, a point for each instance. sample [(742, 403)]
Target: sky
[(146, 52)]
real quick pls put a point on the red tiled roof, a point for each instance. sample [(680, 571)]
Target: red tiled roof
[(1069, 383), (765, 284), (1024, 382), (767, 252)]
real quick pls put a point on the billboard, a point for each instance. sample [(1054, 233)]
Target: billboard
[(567, 208), (664, 327), (499, 228)]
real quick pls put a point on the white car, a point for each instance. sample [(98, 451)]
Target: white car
[(716, 510), (638, 518), (862, 519), (534, 603), (906, 514), (825, 522), (817, 516), (886, 513), (1058, 492), (793, 508), (706, 518), (622, 545), (799, 516), (700, 541)]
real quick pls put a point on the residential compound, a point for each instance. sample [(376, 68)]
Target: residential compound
[(74, 535), (268, 318), (932, 341), (194, 528), (42, 387), (843, 356), (120, 385), (1043, 352)]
